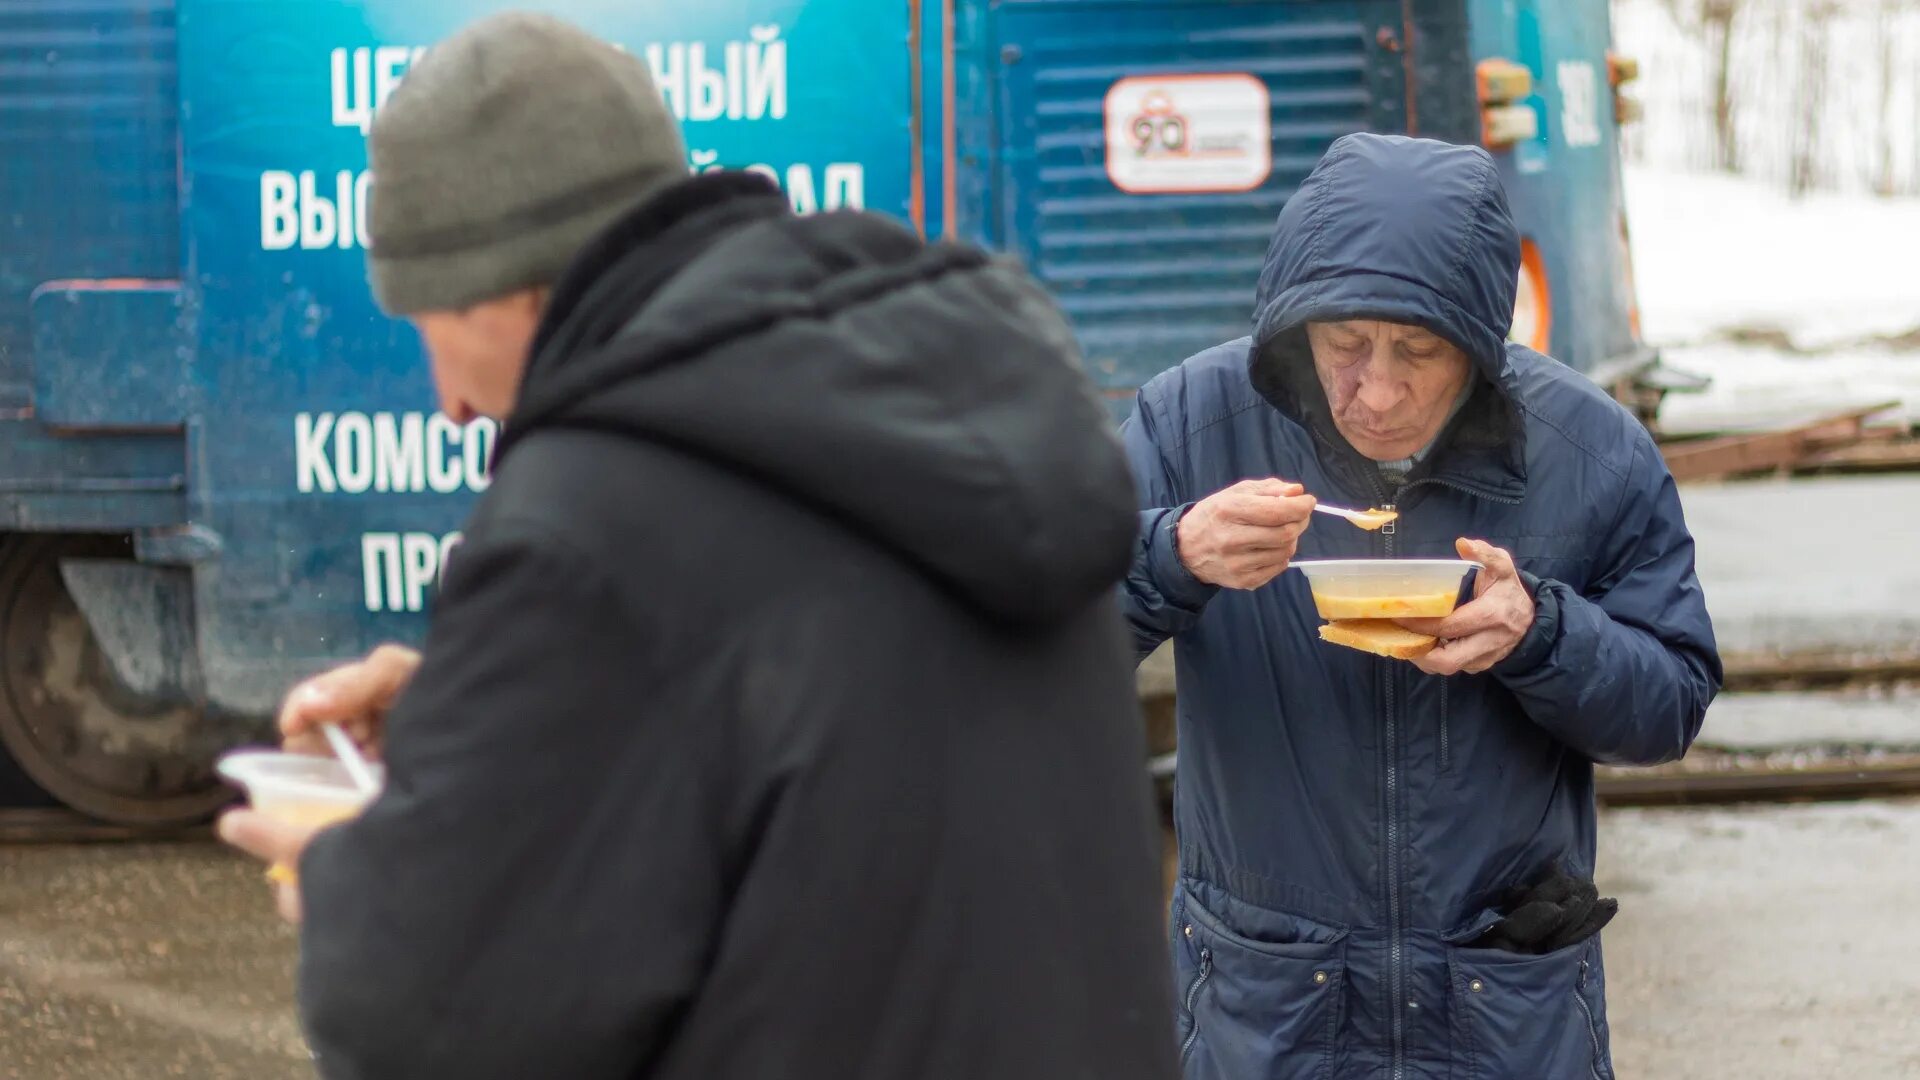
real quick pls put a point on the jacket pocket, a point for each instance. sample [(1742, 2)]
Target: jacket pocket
[(1261, 1003), (1521, 1017)]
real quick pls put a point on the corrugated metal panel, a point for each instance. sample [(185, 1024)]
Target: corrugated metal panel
[(89, 135), (1149, 279)]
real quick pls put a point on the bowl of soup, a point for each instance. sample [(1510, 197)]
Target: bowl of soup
[(1385, 588)]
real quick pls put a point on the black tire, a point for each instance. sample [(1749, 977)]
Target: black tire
[(18, 789), (66, 721)]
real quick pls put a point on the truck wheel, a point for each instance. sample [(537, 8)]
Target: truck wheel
[(67, 721)]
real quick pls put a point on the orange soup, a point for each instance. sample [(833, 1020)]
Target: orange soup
[(1333, 606)]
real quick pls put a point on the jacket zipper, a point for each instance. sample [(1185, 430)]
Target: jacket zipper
[(1396, 948), (1446, 728), (1593, 1028), (1193, 996)]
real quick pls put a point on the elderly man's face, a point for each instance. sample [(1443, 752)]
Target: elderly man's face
[(1391, 386)]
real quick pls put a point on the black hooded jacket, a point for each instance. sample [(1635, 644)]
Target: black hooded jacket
[(776, 719)]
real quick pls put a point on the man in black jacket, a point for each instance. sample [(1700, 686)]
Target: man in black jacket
[(776, 719)]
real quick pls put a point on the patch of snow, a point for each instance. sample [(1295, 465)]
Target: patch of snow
[(1760, 388), (1714, 253)]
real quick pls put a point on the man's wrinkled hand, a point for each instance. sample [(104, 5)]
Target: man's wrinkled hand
[(279, 843), (356, 696), (1486, 629), (1244, 536)]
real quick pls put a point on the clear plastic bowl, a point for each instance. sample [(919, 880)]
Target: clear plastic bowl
[(1385, 588), (302, 789)]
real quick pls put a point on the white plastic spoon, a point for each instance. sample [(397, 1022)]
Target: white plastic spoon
[(349, 756), (1365, 519)]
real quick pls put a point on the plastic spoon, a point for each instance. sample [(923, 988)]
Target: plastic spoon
[(349, 756), (1365, 519)]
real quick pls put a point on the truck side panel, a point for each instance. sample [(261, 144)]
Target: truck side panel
[(89, 133), (1565, 183), (333, 485), (1142, 152)]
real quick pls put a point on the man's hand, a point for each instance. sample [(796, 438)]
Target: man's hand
[(276, 841), (1486, 629), (1244, 536), (356, 696)]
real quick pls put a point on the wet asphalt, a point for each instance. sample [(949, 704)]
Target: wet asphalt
[(142, 961), (1752, 943)]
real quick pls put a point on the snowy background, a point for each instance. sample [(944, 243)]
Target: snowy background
[(1817, 94), (1792, 306), (1797, 295)]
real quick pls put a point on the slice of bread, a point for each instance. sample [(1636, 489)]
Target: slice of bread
[(1382, 637)]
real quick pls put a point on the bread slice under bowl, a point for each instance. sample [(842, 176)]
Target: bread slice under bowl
[(1381, 637)]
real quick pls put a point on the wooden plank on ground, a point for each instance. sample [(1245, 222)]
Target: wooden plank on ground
[(1730, 455), (1888, 455)]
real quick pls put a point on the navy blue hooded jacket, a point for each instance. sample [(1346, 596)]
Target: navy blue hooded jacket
[(1346, 821)]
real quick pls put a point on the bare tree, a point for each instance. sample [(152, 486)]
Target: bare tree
[(1883, 183), (1717, 18), (1909, 52), (1804, 174), (1711, 22), (1810, 94)]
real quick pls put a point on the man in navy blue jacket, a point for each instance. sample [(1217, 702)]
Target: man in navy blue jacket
[(1353, 828)]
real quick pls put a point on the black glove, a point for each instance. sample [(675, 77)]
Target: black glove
[(1556, 911)]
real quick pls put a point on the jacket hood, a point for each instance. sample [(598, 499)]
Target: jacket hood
[(929, 397), (1410, 231)]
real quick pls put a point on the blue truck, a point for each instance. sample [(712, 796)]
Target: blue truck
[(221, 468)]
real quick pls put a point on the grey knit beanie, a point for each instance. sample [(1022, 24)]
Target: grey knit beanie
[(501, 153)]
